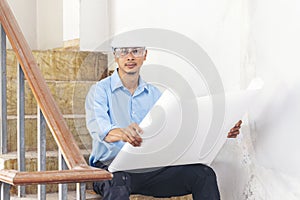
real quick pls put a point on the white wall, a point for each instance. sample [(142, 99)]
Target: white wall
[(25, 13), (49, 24), (46, 24), (274, 123), (94, 23), (277, 61), (71, 15)]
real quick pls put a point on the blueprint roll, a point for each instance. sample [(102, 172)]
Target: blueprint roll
[(160, 133)]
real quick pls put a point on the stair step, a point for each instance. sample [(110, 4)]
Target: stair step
[(9, 160), (141, 197), (68, 75), (75, 122), (90, 195)]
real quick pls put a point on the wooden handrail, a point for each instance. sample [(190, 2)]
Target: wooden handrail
[(41, 92), (87, 174)]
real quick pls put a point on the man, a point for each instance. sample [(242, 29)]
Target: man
[(114, 108)]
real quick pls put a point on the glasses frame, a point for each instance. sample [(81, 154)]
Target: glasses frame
[(118, 54)]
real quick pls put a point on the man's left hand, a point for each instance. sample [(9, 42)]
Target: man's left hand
[(233, 133)]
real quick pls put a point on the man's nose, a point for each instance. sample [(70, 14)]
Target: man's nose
[(130, 56)]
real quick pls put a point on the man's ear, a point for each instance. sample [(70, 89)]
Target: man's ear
[(115, 58), (145, 56)]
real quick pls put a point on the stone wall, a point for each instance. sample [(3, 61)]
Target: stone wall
[(69, 75)]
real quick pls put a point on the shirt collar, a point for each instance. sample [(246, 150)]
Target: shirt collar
[(117, 83)]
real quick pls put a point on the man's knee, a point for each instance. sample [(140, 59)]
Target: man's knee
[(203, 170), (206, 186), (209, 171), (117, 188)]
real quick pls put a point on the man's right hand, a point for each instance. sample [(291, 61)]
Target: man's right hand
[(130, 134)]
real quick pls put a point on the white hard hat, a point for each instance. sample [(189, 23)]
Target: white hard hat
[(127, 40)]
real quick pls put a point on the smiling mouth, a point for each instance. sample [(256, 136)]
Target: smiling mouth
[(130, 64)]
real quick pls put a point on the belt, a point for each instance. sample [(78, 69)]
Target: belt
[(103, 164)]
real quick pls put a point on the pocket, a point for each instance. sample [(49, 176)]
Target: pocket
[(121, 179)]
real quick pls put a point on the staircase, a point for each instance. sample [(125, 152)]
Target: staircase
[(69, 75)]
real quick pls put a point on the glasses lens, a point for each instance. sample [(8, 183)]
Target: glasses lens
[(136, 52)]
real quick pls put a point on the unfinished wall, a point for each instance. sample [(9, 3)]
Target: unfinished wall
[(272, 52)]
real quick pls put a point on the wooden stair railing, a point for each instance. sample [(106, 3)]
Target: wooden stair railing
[(78, 175), (79, 170)]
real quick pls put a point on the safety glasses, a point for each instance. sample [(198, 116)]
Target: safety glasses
[(121, 52)]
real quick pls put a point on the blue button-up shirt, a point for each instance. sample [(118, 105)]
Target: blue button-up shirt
[(110, 105)]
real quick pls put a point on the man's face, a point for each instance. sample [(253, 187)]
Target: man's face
[(130, 59)]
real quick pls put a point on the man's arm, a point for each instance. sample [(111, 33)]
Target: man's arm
[(129, 134), (99, 123), (97, 118)]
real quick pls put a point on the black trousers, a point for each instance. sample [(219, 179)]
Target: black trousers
[(196, 179)]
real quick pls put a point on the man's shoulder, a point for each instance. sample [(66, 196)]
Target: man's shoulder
[(153, 89), (101, 86), (151, 86), (104, 82)]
